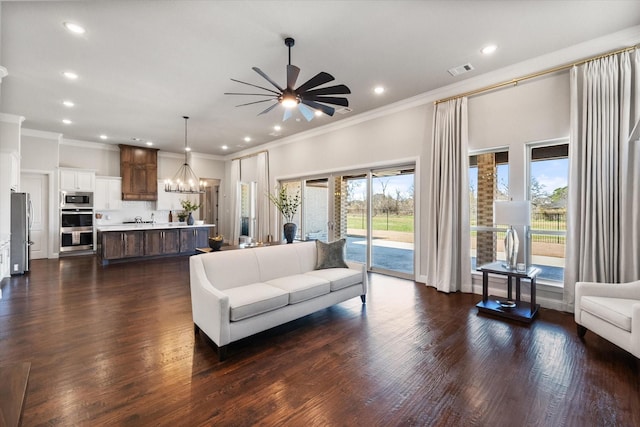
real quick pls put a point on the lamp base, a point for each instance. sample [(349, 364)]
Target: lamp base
[(511, 243)]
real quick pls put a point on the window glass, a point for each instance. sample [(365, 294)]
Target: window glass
[(488, 182), (549, 175)]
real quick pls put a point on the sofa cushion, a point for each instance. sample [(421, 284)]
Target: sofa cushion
[(330, 255), (256, 298), (301, 287), (616, 311), (277, 261), (340, 278)]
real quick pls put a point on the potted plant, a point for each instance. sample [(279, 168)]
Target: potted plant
[(288, 206), (188, 206)]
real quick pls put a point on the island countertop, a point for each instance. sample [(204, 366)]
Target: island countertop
[(147, 226)]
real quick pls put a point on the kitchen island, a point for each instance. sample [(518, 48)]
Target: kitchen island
[(129, 242)]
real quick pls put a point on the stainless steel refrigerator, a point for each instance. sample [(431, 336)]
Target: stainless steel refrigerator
[(21, 210)]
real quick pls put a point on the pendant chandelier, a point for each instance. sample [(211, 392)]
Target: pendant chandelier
[(185, 180)]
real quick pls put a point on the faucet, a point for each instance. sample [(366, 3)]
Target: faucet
[(138, 220)]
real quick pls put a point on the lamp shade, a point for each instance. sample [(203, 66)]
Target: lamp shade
[(511, 213)]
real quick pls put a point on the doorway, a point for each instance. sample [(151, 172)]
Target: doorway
[(209, 203)]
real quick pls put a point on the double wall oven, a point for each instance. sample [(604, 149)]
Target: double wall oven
[(76, 222)]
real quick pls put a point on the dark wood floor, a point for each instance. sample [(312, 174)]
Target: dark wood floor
[(115, 346)]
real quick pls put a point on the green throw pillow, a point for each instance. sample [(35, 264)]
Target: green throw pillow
[(330, 255)]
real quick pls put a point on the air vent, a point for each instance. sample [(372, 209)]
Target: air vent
[(461, 69), (345, 110)]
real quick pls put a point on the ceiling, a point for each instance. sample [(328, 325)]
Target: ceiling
[(142, 65)]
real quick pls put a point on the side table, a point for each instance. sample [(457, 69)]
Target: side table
[(521, 311)]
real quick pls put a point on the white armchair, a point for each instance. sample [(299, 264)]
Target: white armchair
[(611, 311)]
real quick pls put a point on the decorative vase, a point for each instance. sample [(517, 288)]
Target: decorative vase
[(215, 244), (190, 219), (290, 231)]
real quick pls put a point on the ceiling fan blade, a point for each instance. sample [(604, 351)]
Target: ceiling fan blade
[(317, 80), (259, 87), (254, 94), (269, 109), (287, 114), (254, 102), (327, 99), (292, 76), (324, 108), (307, 112), (329, 90), (259, 71)]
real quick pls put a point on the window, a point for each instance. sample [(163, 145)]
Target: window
[(548, 178), (488, 181)]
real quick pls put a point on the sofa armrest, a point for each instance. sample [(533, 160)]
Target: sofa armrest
[(635, 329), (629, 290), (365, 277), (209, 305)]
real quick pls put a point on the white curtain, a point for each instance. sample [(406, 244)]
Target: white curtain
[(262, 201), (234, 198), (603, 216), (448, 229)]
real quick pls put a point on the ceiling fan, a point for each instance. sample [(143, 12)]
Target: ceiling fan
[(307, 97)]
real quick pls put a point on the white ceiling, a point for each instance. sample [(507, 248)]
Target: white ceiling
[(145, 64)]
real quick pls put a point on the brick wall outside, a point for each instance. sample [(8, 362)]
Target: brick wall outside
[(486, 240)]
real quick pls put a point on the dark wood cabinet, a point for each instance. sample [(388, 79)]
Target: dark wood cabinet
[(130, 245), (139, 171), (193, 238), (161, 242), (121, 244)]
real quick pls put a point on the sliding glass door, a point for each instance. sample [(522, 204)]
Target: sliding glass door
[(373, 210), (392, 220)]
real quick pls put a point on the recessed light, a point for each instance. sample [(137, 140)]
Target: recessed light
[(66, 121), (103, 136), (70, 75), (489, 49), (378, 90), (68, 103), (277, 127), (247, 139), (225, 147), (187, 149), (318, 113), (74, 28), (149, 143)]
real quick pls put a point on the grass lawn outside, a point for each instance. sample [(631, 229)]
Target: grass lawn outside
[(382, 222)]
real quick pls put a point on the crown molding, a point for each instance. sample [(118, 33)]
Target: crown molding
[(11, 118), (41, 134), (95, 145)]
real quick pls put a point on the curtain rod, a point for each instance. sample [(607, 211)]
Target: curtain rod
[(250, 155), (534, 75)]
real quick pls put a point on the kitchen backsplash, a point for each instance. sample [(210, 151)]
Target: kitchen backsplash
[(130, 210)]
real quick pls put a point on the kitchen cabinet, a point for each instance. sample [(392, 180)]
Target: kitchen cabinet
[(161, 242), (139, 171), (77, 180), (10, 166), (108, 193), (192, 238), (121, 244), (133, 242)]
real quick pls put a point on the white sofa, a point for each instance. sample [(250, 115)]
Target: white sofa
[(238, 293), (611, 311)]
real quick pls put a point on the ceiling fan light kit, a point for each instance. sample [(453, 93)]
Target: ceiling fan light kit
[(308, 97), (185, 180)]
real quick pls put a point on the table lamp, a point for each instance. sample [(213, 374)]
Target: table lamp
[(511, 213)]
